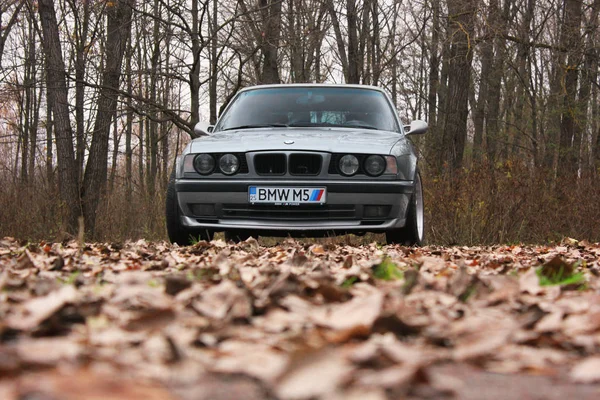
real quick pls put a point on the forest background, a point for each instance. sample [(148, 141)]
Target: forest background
[(98, 97)]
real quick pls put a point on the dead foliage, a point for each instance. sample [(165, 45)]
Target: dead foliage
[(297, 321)]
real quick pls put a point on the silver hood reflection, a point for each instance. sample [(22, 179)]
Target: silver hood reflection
[(333, 140)]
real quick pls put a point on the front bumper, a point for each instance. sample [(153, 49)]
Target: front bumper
[(346, 210)]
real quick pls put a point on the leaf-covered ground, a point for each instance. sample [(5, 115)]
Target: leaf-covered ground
[(298, 321)]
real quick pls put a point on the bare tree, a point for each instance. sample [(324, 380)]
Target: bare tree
[(57, 91), (569, 144), (453, 117), (94, 181), (13, 9)]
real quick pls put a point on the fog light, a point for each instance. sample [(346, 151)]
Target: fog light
[(203, 210), (376, 211)]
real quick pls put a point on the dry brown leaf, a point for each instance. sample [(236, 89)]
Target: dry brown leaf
[(314, 375), (529, 282), (481, 335), (48, 351), (224, 301), (36, 310), (267, 320), (88, 385), (586, 371), (256, 360), (358, 394), (358, 312), (393, 377), (25, 261)]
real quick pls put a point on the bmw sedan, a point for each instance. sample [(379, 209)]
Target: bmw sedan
[(300, 160)]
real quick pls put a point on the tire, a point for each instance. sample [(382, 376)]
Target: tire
[(413, 233), (176, 232), (236, 237)]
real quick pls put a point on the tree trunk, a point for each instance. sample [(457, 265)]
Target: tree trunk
[(354, 64), (94, 181), (523, 54), (295, 42), (335, 22), (81, 33), (569, 144), (34, 128), (454, 133), (376, 57), (49, 129), (214, 64), (25, 110), (487, 60), (434, 64), (495, 80), (589, 74), (57, 89), (129, 126), (6, 28), (194, 74), (152, 131), (115, 154), (271, 17)]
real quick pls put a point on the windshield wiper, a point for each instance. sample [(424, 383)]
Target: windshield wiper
[(256, 126), (359, 126), (330, 125)]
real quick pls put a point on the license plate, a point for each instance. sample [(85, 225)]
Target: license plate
[(286, 196)]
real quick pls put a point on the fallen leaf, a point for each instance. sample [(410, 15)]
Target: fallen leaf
[(314, 375), (224, 301), (36, 310), (586, 371)]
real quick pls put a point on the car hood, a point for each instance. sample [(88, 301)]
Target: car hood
[(333, 140)]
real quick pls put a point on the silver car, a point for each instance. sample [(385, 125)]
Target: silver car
[(300, 160)]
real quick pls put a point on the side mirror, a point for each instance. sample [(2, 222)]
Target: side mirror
[(417, 127), (203, 128)]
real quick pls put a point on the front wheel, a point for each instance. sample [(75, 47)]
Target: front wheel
[(413, 233), (176, 232)]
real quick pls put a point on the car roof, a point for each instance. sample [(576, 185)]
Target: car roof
[(320, 85)]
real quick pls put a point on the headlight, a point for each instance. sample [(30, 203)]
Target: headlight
[(375, 165), (204, 164), (348, 165), (229, 164)]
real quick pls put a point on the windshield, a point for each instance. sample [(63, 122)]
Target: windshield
[(310, 107)]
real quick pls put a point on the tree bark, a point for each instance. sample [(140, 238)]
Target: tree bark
[(434, 64), (81, 33), (57, 90), (129, 126), (354, 64), (487, 60), (194, 73), (335, 22), (589, 74), (94, 181), (454, 133), (271, 17), (495, 81), (49, 134), (569, 144), (214, 64), (523, 76), (152, 131)]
